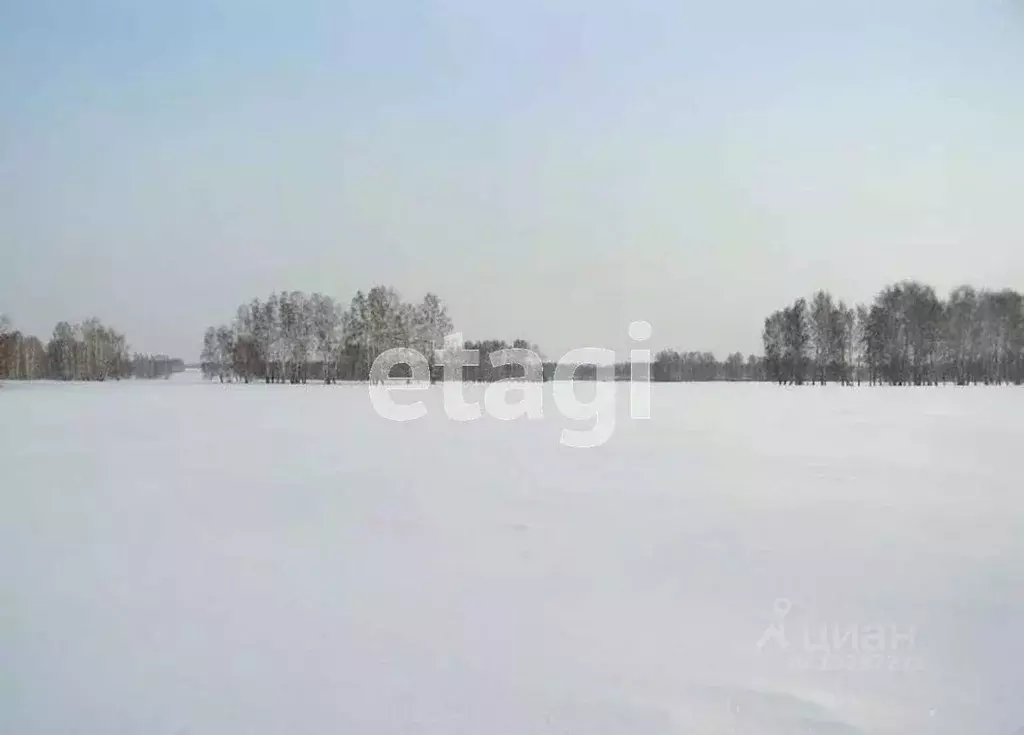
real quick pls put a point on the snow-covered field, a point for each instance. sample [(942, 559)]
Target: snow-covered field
[(181, 557)]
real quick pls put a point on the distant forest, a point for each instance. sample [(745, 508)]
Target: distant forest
[(295, 337), (86, 351), (906, 336)]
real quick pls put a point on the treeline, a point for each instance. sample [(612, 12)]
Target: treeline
[(294, 337), (156, 366), (669, 365), (907, 336), (86, 351)]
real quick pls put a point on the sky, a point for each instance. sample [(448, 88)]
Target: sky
[(553, 170)]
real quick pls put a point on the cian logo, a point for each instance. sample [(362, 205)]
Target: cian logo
[(832, 646)]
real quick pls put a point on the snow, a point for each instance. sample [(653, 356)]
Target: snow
[(184, 557)]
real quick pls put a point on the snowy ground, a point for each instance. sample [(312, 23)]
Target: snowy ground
[(180, 557)]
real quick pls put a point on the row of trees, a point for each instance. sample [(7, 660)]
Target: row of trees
[(294, 337), (907, 336), (86, 351)]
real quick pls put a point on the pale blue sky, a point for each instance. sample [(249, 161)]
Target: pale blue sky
[(554, 170)]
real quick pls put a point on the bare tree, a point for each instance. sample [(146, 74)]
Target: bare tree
[(326, 331)]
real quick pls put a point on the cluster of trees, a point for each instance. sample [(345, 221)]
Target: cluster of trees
[(86, 351), (294, 336), (907, 336)]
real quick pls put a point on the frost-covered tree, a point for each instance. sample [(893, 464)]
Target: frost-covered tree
[(796, 339), (326, 334), (820, 329)]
